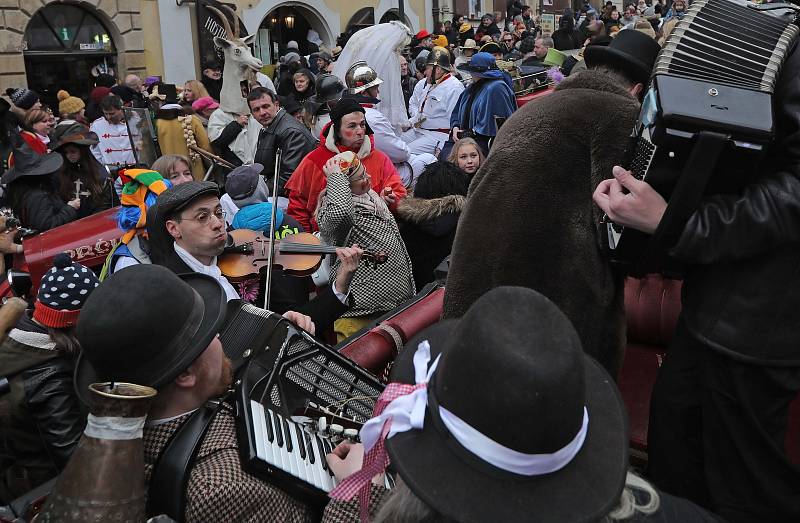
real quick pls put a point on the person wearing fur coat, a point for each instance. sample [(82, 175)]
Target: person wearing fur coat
[(535, 225), (428, 218)]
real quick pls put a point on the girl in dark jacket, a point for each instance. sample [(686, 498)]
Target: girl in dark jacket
[(72, 142), (428, 219), (32, 185), (40, 417)]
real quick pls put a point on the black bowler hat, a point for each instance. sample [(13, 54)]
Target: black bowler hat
[(145, 325), (513, 369), (631, 51)]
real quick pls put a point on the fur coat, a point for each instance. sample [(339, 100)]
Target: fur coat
[(428, 227), (530, 219)]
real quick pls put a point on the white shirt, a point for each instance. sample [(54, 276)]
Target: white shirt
[(433, 105), (209, 270), (386, 140), (114, 148)]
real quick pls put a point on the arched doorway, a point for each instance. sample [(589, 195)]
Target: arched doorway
[(67, 46), (285, 23), (394, 15)]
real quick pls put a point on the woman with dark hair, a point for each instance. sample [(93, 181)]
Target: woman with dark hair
[(40, 416), (96, 190), (429, 217), (32, 190), (566, 37)]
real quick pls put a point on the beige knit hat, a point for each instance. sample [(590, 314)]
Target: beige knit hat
[(69, 104)]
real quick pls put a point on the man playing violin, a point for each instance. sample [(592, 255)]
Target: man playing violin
[(187, 234)]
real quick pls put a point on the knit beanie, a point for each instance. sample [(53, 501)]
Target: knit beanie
[(98, 93), (246, 186), (139, 189), (69, 104), (22, 98), (63, 292)]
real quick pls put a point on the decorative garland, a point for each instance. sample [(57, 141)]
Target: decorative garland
[(188, 135)]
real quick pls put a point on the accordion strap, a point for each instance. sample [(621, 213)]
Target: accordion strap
[(690, 188)]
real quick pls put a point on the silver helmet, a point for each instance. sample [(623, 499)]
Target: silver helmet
[(361, 77)]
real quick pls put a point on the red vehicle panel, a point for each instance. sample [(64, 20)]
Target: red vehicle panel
[(522, 100), (87, 241)]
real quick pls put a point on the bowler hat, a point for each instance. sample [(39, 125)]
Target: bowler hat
[(29, 163), (514, 380), (75, 133), (632, 52), (179, 196), (146, 325)]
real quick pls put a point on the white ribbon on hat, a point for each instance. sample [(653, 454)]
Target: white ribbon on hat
[(408, 412)]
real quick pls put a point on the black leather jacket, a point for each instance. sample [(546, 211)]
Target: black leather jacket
[(742, 294), (40, 417), (295, 142)]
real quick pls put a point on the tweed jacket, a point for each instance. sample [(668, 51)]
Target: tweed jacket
[(218, 488), (536, 186), (341, 222)]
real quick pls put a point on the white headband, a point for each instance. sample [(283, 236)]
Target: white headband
[(407, 412)]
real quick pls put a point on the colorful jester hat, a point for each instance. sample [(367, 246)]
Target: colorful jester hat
[(140, 189)]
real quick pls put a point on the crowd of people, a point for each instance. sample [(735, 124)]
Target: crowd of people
[(533, 308)]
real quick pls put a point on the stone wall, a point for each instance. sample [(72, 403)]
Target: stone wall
[(121, 17)]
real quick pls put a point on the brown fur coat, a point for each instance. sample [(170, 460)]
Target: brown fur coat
[(530, 219)]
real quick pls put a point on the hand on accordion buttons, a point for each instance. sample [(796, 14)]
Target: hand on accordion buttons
[(630, 202)]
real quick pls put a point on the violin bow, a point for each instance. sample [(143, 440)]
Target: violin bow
[(272, 226)]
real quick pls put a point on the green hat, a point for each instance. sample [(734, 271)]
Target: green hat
[(554, 57)]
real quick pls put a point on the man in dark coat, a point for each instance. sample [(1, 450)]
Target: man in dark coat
[(281, 131), (530, 220), (720, 405)]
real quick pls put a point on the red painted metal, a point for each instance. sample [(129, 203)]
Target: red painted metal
[(87, 241), (522, 100)]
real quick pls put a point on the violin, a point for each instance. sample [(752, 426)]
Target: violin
[(297, 254)]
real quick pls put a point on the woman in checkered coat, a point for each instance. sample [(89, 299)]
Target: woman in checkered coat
[(351, 212)]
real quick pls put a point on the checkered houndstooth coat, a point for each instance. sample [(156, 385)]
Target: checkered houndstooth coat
[(219, 490), (342, 222)]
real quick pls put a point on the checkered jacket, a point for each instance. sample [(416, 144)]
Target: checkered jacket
[(375, 290), (218, 489)]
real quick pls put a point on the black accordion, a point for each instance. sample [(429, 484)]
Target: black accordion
[(711, 95)]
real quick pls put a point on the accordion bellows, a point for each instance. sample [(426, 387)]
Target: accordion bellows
[(727, 42)]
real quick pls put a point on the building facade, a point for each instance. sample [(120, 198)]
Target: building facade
[(53, 44)]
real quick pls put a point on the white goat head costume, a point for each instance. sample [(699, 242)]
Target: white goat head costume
[(240, 65)]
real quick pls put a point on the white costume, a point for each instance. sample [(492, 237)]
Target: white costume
[(380, 46), (430, 108), (114, 148), (409, 166), (244, 145)]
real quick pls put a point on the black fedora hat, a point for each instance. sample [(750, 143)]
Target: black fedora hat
[(631, 51), (170, 92), (512, 369), (146, 325), (28, 162)]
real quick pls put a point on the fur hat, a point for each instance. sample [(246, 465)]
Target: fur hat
[(22, 97), (63, 292), (98, 93), (68, 104)]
